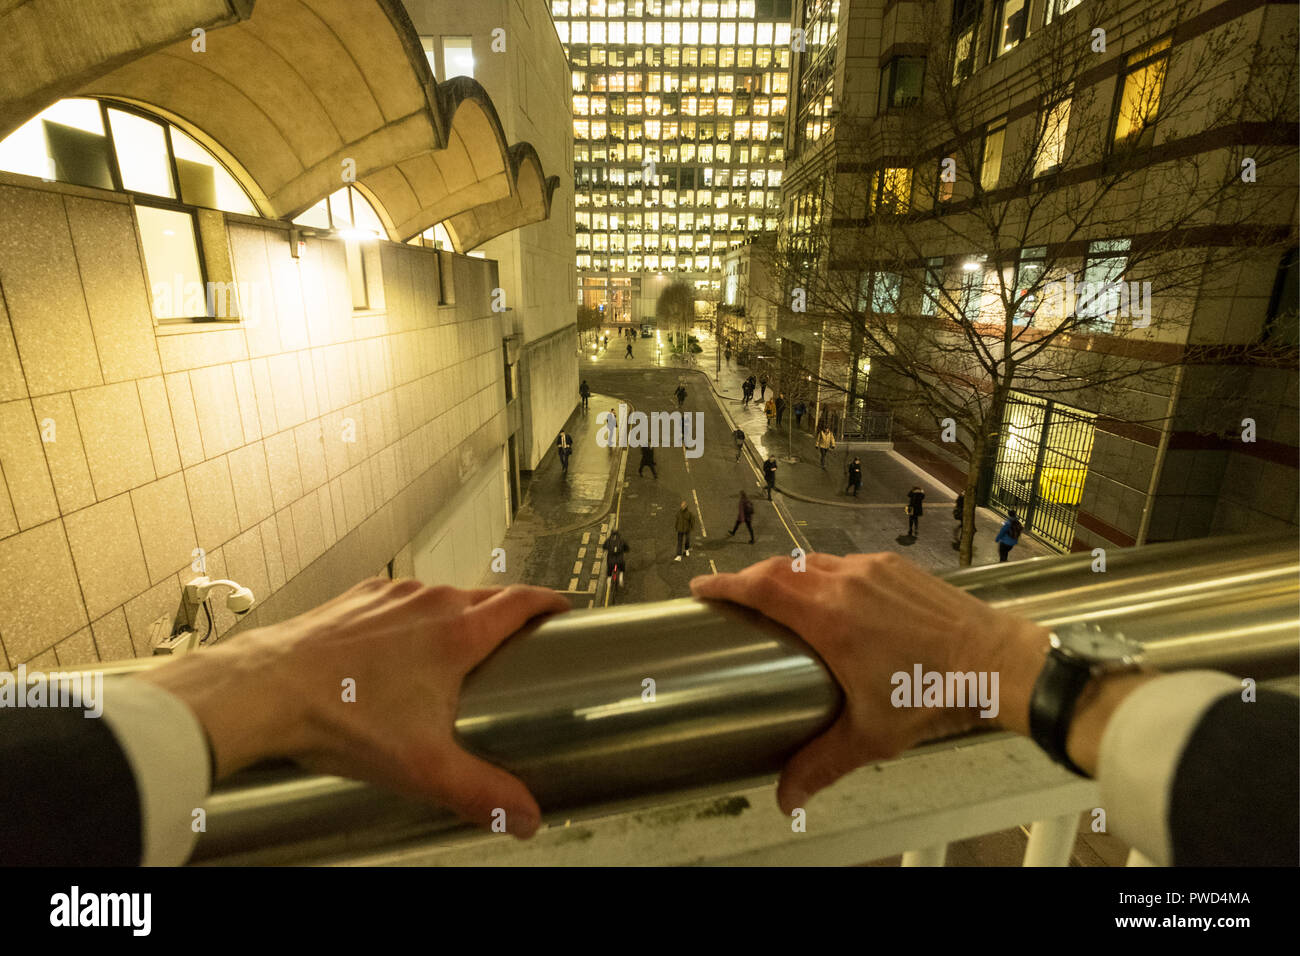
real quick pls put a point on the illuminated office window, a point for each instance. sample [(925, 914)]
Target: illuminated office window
[(457, 56)]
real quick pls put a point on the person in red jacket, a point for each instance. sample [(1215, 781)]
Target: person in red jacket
[(745, 514)]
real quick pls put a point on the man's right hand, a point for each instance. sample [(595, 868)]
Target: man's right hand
[(871, 616)]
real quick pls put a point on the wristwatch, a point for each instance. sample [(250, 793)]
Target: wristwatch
[(1080, 652)]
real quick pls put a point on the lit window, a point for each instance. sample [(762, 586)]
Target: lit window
[(1051, 149), (458, 56), (891, 190), (1139, 102), (1010, 24), (991, 155), (66, 142), (171, 257)]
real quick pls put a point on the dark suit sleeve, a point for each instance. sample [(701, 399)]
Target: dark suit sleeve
[(67, 793), (116, 787), (1192, 774), (1236, 794)]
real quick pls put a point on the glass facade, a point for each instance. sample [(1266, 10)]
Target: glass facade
[(679, 110)]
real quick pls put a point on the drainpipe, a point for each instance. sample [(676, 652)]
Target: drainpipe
[(1145, 524)]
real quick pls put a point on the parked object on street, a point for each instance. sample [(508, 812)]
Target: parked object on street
[(744, 514), (825, 442), (1009, 534), (685, 522), (769, 475), (914, 499), (855, 476)]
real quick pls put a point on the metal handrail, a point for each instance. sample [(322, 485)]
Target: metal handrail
[(564, 703)]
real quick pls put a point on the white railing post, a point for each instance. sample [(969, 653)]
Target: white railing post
[(930, 856), (1051, 841)]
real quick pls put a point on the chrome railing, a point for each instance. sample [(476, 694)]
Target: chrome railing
[(607, 705)]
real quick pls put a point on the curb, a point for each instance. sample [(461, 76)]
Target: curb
[(611, 489), (753, 451)]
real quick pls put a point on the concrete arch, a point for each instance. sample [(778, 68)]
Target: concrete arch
[(291, 91)]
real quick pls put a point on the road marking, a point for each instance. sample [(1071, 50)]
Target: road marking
[(586, 537), (577, 567), (713, 566), (703, 533)]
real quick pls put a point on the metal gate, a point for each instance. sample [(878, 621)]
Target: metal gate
[(1043, 455)]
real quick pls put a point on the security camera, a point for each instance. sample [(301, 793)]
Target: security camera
[(239, 601)]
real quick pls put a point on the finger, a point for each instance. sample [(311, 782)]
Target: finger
[(819, 764), (481, 793), (773, 594), (506, 611)]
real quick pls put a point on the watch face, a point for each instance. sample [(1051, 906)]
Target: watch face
[(1091, 642)]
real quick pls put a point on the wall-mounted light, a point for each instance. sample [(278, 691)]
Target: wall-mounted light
[(971, 265)]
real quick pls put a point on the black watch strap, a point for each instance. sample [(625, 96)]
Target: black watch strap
[(1051, 707)]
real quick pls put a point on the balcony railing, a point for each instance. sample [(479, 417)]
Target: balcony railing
[(688, 776)]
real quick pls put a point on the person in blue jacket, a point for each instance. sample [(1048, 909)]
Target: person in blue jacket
[(1009, 535)]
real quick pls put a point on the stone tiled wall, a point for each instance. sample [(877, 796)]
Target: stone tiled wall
[(125, 446)]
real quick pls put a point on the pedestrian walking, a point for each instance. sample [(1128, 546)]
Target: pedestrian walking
[(762, 384), (584, 390), (647, 461), (825, 442), (780, 408), (914, 499), (629, 350), (769, 475), (564, 445), (959, 515), (727, 353), (855, 476), (738, 436), (745, 514), (685, 522), (1009, 535), (770, 410), (800, 410), (681, 395)]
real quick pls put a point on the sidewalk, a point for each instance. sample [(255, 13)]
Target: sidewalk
[(557, 504), (886, 475)]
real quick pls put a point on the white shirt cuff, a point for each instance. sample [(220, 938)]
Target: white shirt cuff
[(1141, 749), (166, 748)]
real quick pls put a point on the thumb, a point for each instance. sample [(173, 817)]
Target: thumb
[(480, 792), (819, 764)]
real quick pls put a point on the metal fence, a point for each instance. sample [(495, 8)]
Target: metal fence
[(1043, 454)]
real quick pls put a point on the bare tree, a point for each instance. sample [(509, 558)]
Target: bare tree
[(1059, 254)]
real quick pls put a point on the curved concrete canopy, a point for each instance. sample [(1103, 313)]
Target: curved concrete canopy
[(530, 202), (295, 92)]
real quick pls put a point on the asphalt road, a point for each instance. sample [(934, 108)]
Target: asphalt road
[(645, 507)]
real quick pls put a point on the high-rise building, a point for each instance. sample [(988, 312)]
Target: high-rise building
[(679, 111)]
